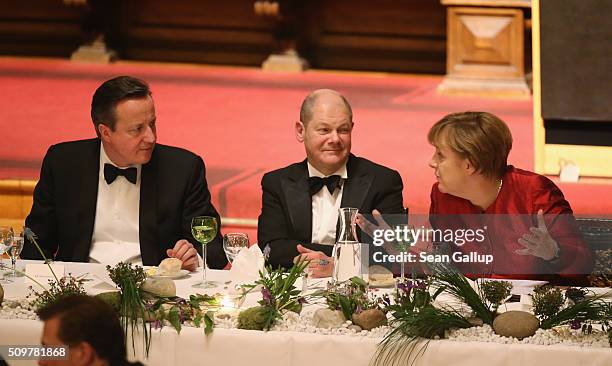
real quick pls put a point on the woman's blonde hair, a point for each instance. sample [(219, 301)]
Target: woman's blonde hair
[(481, 137)]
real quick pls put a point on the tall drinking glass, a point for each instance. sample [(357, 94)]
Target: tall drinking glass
[(204, 230), (6, 239), (233, 243), (14, 250)]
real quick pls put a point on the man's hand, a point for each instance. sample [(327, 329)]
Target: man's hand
[(185, 251), (539, 243), (319, 264), (368, 227)]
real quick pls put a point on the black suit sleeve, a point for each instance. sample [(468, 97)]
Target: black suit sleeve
[(274, 233), (389, 200), (42, 218), (198, 203)]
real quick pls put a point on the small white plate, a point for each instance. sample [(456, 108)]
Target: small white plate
[(180, 274)]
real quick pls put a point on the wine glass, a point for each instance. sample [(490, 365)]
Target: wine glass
[(233, 243), (6, 238), (204, 229), (403, 243), (14, 250)]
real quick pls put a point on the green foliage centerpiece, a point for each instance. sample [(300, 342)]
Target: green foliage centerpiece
[(132, 304), (415, 317), (176, 310), (349, 296), (580, 312), (58, 287), (279, 294)]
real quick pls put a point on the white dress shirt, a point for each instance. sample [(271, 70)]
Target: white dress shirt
[(115, 236), (325, 208)]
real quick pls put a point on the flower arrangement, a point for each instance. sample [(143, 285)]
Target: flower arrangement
[(550, 306), (132, 304), (58, 287), (602, 271), (279, 294), (416, 317), (64, 287), (349, 296), (176, 310)]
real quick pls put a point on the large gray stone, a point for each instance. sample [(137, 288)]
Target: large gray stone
[(327, 318), (159, 286), (370, 319), (517, 324)]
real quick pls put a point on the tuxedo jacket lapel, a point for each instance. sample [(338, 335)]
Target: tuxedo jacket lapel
[(148, 211), (88, 197), (356, 186), (299, 202)]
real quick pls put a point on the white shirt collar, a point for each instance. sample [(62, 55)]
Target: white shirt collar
[(313, 172)]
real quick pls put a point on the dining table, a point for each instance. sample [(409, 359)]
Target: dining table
[(283, 348)]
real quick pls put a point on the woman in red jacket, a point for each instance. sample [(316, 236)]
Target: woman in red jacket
[(529, 226)]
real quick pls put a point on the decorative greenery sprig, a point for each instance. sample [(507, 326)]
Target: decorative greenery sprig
[(196, 302), (495, 292), (414, 317), (349, 296), (176, 310), (133, 308), (32, 238), (547, 301), (548, 304), (409, 297), (278, 294), (66, 286), (58, 288), (452, 281)]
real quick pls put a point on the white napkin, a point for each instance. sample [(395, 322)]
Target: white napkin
[(246, 266)]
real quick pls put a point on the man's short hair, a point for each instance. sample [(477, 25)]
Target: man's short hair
[(88, 319), (310, 101), (481, 137), (110, 93)]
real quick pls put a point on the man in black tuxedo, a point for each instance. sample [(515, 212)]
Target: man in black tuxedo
[(300, 202), (121, 196)]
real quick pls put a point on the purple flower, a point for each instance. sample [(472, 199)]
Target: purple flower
[(267, 296), (404, 287), (386, 300), (421, 285)]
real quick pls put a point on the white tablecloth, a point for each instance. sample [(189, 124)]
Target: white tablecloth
[(240, 347)]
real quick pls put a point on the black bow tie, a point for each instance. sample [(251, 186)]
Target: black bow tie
[(111, 173), (316, 183)]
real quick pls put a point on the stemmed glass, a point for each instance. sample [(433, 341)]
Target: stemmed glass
[(403, 245), (233, 243), (204, 230), (14, 250), (6, 239)]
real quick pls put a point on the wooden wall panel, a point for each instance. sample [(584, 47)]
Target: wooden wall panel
[(394, 35), (386, 35), (39, 28), (207, 31)]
